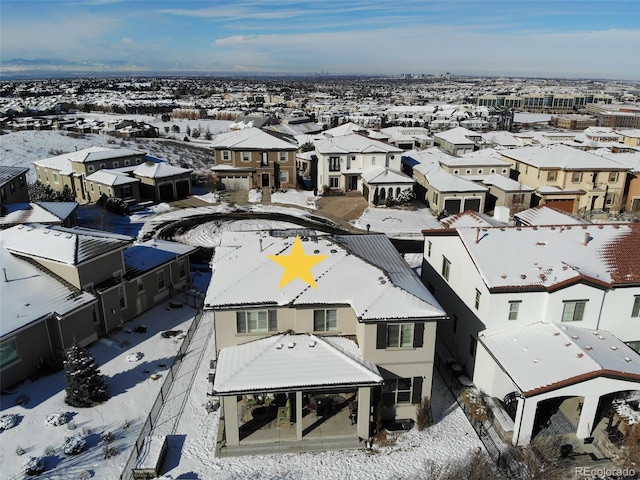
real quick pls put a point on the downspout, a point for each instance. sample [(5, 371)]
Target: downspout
[(46, 324), (604, 295)]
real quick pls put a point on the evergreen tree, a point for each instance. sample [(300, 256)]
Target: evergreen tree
[(86, 387)]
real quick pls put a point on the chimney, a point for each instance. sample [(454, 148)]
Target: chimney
[(586, 238)]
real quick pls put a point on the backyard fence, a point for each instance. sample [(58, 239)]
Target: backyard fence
[(154, 413)]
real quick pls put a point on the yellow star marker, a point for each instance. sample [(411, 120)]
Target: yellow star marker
[(297, 264)]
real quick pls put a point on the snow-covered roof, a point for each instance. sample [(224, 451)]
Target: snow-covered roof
[(550, 257), (544, 215), (62, 210), (111, 178), (9, 173), (354, 143), (444, 181), (18, 213), (92, 154), (159, 170), (380, 174), (561, 157), (547, 356), (469, 218), (28, 293), (71, 246), (344, 129), (285, 362), (145, 256), (506, 184), (501, 137), (250, 139), (373, 280), (631, 160), (457, 136)]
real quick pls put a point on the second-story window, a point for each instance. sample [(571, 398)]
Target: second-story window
[(282, 156), (477, 299), (613, 177), (334, 164), (514, 306), (246, 157), (635, 311), (573, 310), (576, 177), (325, 320), (551, 176), (446, 267), (226, 155), (435, 198), (429, 245), (160, 280), (400, 335), (250, 321)]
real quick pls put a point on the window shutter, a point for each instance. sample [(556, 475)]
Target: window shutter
[(240, 322), (381, 337), (273, 321), (418, 333), (417, 390)]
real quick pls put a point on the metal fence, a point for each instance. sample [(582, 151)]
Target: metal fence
[(154, 413), (492, 442)]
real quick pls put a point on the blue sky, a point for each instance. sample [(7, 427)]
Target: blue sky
[(546, 38)]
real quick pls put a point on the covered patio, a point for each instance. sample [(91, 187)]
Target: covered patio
[(292, 393)]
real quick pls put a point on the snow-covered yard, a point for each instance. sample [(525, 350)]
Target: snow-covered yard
[(397, 222)]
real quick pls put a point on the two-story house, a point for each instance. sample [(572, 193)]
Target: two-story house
[(458, 141), (569, 179), (86, 283), (496, 282), (301, 348), (251, 157), (342, 160)]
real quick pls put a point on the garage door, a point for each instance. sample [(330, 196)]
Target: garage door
[(166, 192), (452, 205), (182, 188), (472, 204), (564, 205)]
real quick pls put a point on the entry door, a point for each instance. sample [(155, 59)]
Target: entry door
[(265, 179), (353, 182)]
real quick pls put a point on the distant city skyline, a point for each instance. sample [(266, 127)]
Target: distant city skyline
[(566, 39)]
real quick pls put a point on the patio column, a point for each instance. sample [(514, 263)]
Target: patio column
[(587, 416), (364, 411), (525, 418), (231, 424), (299, 415)]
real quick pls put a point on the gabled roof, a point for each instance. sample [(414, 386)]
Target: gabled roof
[(145, 256), (561, 157), (28, 293), (111, 178), (91, 154), (546, 356), (250, 139), (443, 181), (345, 129), (71, 246), (286, 362), (469, 218), (380, 174), (551, 257), (374, 282), (159, 170), (9, 173), (458, 136), (506, 184), (354, 143), (41, 212)]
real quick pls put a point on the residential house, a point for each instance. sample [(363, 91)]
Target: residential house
[(381, 184), (71, 285), (112, 183), (630, 137), (408, 138), (13, 185), (342, 160), (569, 179), (458, 141), (580, 278), (161, 182), (298, 348), (254, 158), (631, 196)]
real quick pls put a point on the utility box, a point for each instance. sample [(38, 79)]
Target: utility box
[(150, 457)]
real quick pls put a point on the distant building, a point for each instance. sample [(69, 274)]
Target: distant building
[(13, 185)]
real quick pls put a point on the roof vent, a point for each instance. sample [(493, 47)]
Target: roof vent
[(575, 337), (316, 251), (627, 359), (541, 244), (312, 343), (523, 276), (535, 360), (595, 332), (333, 250), (614, 348), (600, 337), (588, 348), (291, 345), (46, 232), (279, 346), (567, 344), (580, 355)]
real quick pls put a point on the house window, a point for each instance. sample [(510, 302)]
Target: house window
[(12, 187), (455, 323), (46, 175), (127, 163), (468, 171), (160, 280), (94, 313), (8, 353), (116, 164), (446, 267), (493, 170), (472, 345), (3, 194), (21, 182), (435, 198), (613, 177), (89, 169), (334, 182), (396, 390), (103, 165), (246, 157), (635, 311), (138, 161), (373, 160), (92, 187), (39, 174), (608, 199), (477, 299), (251, 321), (226, 155), (480, 171), (456, 171), (282, 156), (576, 177), (400, 335), (126, 191), (182, 269), (504, 171), (140, 286), (284, 176), (513, 309), (123, 299), (334, 164), (429, 245), (573, 310), (325, 320)]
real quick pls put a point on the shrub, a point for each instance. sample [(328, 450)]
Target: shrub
[(74, 445), (423, 413), (33, 466), (56, 419), (475, 404), (8, 421)]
